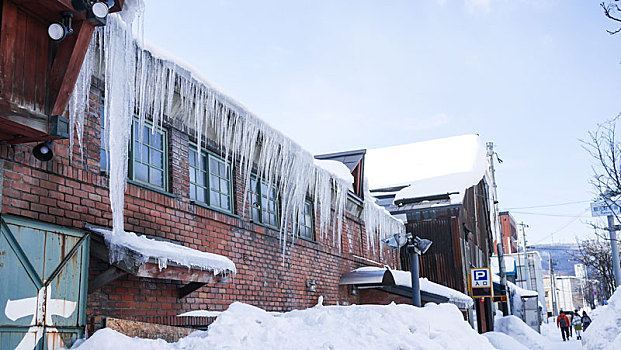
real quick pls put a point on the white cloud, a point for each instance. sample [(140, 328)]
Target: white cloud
[(479, 6)]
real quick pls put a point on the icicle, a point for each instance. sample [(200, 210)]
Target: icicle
[(137, 81)]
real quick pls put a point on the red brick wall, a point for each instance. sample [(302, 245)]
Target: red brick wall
[(71, 194), (375, 296)]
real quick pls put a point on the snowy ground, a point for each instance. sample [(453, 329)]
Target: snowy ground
[(387, 327), (391, 327)]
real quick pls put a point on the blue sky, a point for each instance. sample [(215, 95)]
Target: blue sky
[(533, 76)]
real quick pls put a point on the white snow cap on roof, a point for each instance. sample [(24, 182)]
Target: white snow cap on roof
[(433, 167), (404, 279), (336, 168), (164, 252)]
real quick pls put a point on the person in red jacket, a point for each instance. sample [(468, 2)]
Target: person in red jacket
[(562, 321)]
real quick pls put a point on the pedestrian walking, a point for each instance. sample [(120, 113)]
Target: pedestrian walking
[(577, 323), (563, 323), (586, 320), (570, 315)]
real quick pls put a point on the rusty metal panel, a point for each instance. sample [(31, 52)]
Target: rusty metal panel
[(43, 280)]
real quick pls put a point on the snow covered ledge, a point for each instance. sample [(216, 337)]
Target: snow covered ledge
[(141, 256)]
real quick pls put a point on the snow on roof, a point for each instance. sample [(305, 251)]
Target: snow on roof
[(433, 167), (200, 313), (521, 292), (164, 252), (510, 265), (404, 279), (336, 168), (381, 327)]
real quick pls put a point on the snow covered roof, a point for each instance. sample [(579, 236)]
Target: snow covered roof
[(442, 166), (336, 168), (510, 265), (123, 243), (380, 276)]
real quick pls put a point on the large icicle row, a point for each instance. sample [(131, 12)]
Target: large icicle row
[(137, 80)]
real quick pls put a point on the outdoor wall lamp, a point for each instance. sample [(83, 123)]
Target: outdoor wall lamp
[(96, 11), (311, 285), (59, 30), (44, 151)]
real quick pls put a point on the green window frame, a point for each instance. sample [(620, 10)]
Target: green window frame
[(306, 229), (210, 180), (149, 156), (264, 207)]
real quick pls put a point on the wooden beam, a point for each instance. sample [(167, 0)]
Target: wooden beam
[(104, 278), (67, 63), (189, 288)]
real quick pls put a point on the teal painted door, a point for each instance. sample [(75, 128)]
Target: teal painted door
[(43, 284)]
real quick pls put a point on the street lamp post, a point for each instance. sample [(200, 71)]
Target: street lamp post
[(416, 247)]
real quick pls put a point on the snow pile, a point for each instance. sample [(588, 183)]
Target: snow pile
[(322, 327), (520, 331), (138, 80), (336, 168), (201, 313), (502, 341), (516, 294), (121, 245), (605, 330), (447, 165)]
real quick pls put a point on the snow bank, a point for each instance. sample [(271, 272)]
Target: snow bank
[(520, 331), (502, 341), (322, 327), (121, 244), (605, 329)]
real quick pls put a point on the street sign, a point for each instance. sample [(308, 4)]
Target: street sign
[(604, 209), (481, 277)]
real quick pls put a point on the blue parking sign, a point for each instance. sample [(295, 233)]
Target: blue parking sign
[(481, 277)]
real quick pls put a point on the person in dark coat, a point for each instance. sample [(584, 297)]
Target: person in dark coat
[(562, 321), (586, 320)]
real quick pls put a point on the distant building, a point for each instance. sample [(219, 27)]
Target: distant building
[(509, 234)]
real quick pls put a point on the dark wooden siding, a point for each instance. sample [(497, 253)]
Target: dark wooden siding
[(25, 58)]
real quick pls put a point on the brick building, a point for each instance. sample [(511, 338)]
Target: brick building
[(509, 234), (176, 192)]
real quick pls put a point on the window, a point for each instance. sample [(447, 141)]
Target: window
[(148, 156), (210, 180), (104, 160), (305, 223), (263, 202)]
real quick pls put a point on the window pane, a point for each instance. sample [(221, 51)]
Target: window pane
[(103, 159), (200, 178), (213, 165), (192, 157), (157, 177), (224, 202), (214, 182), (214, 199), (224, 186), (200, 194), (192, 191), (143, 154), (157, 159), (141, 172), (222, 170), (192, 176), (255, 214), (156, 140), (263, 189)]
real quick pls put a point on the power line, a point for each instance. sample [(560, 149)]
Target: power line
[(563, 227), (545, 214), (550, 205)]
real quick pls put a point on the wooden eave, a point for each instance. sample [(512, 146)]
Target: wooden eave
[(193, 278)]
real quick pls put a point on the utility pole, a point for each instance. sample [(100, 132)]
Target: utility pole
[(498, 228), (528, 281), (552, 284), (615, 250)]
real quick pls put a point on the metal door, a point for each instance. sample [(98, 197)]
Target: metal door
[(43, 283)]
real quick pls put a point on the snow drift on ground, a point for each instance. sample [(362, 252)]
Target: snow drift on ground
[(322, 327), (605, 329), (502, 341), (520, 331)]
